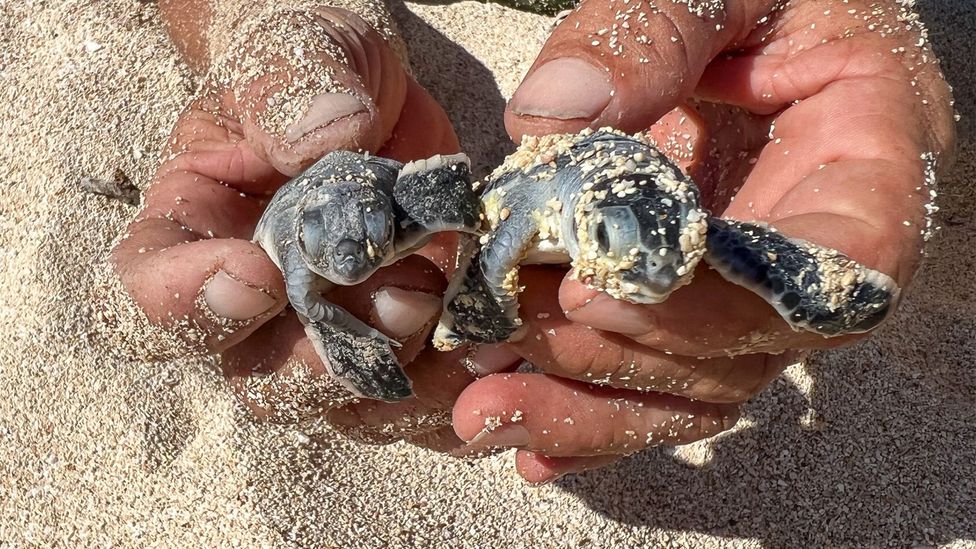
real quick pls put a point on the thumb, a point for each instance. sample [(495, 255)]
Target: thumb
[(625, 63), (309, 82)]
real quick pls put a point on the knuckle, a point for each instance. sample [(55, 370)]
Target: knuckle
[(722, 382), (573, 363), (633, 370), (616, 433), (737, 382)]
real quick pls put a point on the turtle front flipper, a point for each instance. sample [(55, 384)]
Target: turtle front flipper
[(812, 287), (357, 355), (481, 302), (363, 365), (434, 195)]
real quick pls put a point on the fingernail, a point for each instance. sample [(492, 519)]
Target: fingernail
[(605, 313), (547, 481), (230, 298), (490, 359), (401, 313), (565, 89), (506, 436), (322, 110)]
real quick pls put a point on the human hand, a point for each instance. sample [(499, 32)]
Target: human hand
[(290, 86), (822, 118)]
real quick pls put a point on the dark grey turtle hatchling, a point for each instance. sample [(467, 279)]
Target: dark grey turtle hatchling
[(631, 225), (341, 220)]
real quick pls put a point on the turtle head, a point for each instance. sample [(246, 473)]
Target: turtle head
[(346, 231), (641, 245)]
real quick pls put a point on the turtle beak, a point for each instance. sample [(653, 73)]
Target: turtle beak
[(349, 251), (654, 277), (661, 271), (662, 282), (349, 260)]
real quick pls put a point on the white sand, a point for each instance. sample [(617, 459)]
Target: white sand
[(874, 445)]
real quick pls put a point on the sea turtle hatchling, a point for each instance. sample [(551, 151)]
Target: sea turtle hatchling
[(632, 225), (337, 223)]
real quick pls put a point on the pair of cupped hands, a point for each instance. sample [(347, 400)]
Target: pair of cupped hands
[(816, 117)]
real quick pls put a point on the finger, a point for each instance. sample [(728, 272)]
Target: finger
[(681, 136), (803, 55), (309, 82), (624, 65), (487, 359), (199, 207), (186, 259), (710, 317), (576, 352), (422, 130), (561, 417), (573, 350), (442, 251), (210, 293), (438, 378), (208, 142), (402, 300), (538, 468)]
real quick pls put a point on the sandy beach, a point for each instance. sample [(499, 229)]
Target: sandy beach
[(873, 445)]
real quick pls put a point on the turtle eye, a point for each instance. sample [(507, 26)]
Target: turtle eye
[(313, 234), (602, 238), (378, 223)]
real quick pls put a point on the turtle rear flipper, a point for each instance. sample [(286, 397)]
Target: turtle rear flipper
[(812, 287), (481, 302)]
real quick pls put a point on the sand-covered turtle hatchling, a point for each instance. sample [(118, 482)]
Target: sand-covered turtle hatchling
[(631, 224), (337, 223)]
